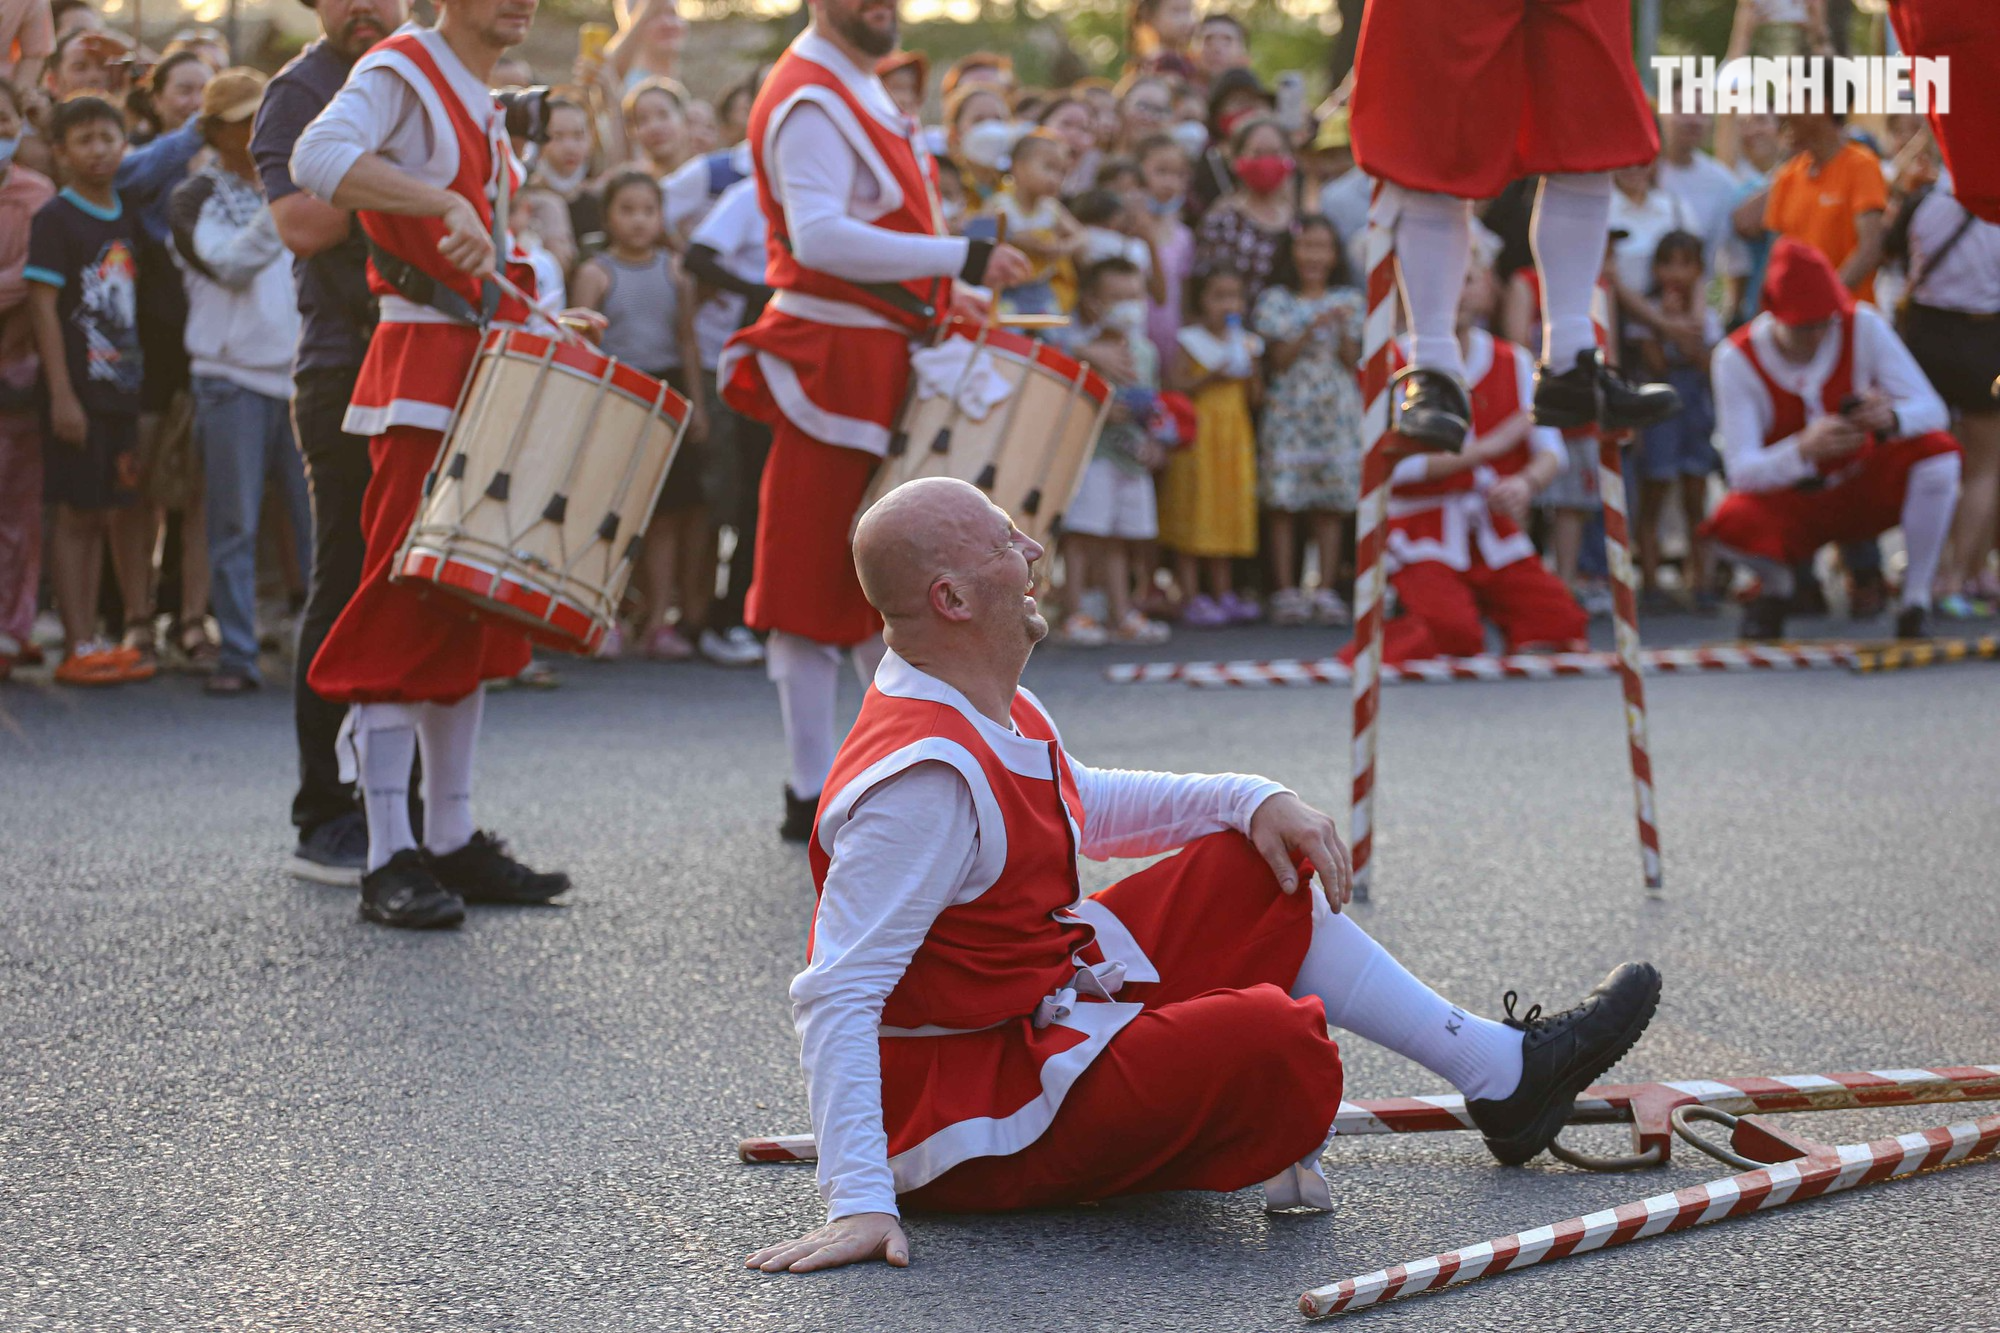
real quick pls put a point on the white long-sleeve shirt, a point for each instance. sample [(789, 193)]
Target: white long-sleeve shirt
[(830, 195), (1744, 411), (908, 851)]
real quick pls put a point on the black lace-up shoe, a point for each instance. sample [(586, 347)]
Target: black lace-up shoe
[(1913, 622), (405, 894), (1590, 393), (800, 812), (482, 872), (1764, 619), (1433, 410), (1561, 1055)]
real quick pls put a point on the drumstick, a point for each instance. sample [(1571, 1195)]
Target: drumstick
[(941, 442), (568, 335)]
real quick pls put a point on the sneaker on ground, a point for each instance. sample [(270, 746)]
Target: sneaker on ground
[(1241, 610), (733, 647), (95, 663), (1081, 631), (1561, 1055), (1764, 619), (1596, 600), (665, 644), (1290, 606), (800, 813), (1135, 628), (612, 646), (405, 894), (1203, 612), (1329, 608), (334, 853), (538, 675), (482, 872)]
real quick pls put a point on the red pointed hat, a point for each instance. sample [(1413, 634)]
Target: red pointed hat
[(1800, 285)]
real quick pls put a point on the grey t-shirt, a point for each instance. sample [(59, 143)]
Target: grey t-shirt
[(336, 311)]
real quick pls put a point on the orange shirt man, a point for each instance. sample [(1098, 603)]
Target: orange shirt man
[(1833, 203)]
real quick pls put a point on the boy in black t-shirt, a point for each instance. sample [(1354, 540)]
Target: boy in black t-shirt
[(82, 275)]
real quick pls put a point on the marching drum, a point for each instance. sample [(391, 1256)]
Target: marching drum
[(1027, 451), (547, 476)]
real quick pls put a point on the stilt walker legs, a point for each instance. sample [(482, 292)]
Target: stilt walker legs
[(1625, 605), (1371, 574)]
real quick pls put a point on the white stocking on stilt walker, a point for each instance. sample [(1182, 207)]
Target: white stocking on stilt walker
[(1372, 522)]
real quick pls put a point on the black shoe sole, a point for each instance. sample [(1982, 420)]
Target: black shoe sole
[(474, 898), (1561, 418), (443, 917), (1542, 1131)]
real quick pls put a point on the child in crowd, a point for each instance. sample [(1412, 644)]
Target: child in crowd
[(82, 272), (656, 130), (951, 194), (1163, 179), (1159, 34), (1309, 450), (1037, 223), (637, 285), (1678, 455), (1208, 497), (23, 192), (1113, 516), (563, 167)]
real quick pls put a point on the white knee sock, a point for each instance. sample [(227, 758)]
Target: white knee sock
[(866, 656), (1433, 247), (383, 740), (1929, 498), (1572, 218), (807, 675), (1369, 993), (450, 735)]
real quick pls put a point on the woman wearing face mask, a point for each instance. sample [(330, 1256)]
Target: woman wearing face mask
[(978, 137), (1234, 99), (1244, 229)]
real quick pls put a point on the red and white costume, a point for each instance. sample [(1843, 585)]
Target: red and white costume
[(1451, 558), (1967, 32), (849, 197), (975, 1029), (414, 103)]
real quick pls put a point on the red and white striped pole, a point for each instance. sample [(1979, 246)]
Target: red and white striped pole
[(1841, 1168), (1625, 608), (1371, 577)]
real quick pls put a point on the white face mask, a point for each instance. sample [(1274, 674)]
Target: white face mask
[(1192, 136), (1126, 316), (989, 143)]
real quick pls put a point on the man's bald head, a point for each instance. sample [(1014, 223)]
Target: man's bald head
[(911, 535)]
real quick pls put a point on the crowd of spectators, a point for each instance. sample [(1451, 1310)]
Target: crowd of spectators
[(179, 326)]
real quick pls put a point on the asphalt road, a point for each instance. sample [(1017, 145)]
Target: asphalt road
[(225, 1103)]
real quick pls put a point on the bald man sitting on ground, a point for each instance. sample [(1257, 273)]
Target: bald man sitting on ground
[(979, 1035)]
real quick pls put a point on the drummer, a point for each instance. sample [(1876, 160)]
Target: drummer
[(862, 269), (414, 143)]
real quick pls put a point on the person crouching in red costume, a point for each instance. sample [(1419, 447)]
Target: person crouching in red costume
[(415, 144), (1452, 100), (862, 268), (1456, 550), (1829, 433)]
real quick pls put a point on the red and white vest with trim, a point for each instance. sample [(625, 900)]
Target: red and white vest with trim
[(1788, 410), (965, 1071), (1438, 520), (418, 359)]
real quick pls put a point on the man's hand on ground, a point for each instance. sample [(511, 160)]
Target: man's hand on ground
[(854, 1239), (1285, 828)]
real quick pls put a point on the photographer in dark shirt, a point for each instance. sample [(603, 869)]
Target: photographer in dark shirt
[(337, 316)]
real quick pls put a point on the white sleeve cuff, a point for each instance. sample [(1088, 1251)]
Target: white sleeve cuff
[(1255, 792)]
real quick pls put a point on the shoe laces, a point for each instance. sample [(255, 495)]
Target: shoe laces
[(1527, 1022)]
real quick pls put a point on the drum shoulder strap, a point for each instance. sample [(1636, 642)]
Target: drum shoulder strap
[(413, 284)]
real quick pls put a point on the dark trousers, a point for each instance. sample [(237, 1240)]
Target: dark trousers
[(337, 472), (748, 444)]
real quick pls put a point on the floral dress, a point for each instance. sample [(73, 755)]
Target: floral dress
[(1309, 450), (1231, 239)]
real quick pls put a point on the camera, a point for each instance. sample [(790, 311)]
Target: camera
[(524, 111)]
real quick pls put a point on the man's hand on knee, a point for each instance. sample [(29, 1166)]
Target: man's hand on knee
[(849, 1240), (1286, 828)]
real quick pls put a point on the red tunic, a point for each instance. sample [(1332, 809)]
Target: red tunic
[(1183, 948), (1858, 497), (1460, 97), (399, 642), (825, 366), (1967, 32)]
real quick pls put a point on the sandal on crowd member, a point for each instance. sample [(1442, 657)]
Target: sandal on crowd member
[(199, 651), (95, 663), (138, 653), (228, 681)]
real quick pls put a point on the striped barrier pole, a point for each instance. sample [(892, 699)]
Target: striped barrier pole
[(1553, 666), (1371, 577), (1828, 1172), (1611, 1104), (1934, 652), (1625, 608)]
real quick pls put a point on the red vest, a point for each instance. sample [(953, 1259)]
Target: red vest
[(914, 176), (1788, 410), (1430, 520), (414, 240)]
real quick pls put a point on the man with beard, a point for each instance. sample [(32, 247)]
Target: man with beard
[(862, 268), (336, 315), (978, 1035), (416, 145)]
